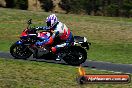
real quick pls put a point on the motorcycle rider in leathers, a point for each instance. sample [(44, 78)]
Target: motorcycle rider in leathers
[(59, 30)]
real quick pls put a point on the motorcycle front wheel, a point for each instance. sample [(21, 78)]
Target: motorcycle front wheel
[(20, 51)]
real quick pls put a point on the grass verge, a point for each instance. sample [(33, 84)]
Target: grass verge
[(30, 74)]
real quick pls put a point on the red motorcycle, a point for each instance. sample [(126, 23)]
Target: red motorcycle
[(74, 55)]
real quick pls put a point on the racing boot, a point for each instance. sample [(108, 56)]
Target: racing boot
[(54, 51), (58, 57)]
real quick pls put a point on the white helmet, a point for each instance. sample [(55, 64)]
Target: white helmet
[(51, 20)]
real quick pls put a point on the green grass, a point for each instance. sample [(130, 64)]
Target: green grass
[(111, 37), (31, 74), (116, 53)]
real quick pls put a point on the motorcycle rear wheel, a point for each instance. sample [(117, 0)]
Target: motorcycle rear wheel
[(75, 55)]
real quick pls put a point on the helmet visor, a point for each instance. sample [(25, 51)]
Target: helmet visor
[(48, 23)]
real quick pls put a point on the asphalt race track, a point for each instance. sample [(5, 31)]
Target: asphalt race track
[(123, 68)]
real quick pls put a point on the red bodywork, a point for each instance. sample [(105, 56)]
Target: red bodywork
[(24, 33), (41, 35)]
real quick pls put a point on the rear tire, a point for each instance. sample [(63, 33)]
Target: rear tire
[(20, 52), (75, 55)]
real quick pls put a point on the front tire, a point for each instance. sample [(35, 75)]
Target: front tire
[(20, 51), (75, 55)]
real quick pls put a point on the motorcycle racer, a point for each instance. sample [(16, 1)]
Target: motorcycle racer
[(59, 30)]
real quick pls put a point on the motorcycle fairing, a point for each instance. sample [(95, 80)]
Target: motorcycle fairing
[(43, 35), (19, 42), (24, 33)]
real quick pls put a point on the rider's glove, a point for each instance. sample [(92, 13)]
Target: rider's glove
[(46, 28)]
